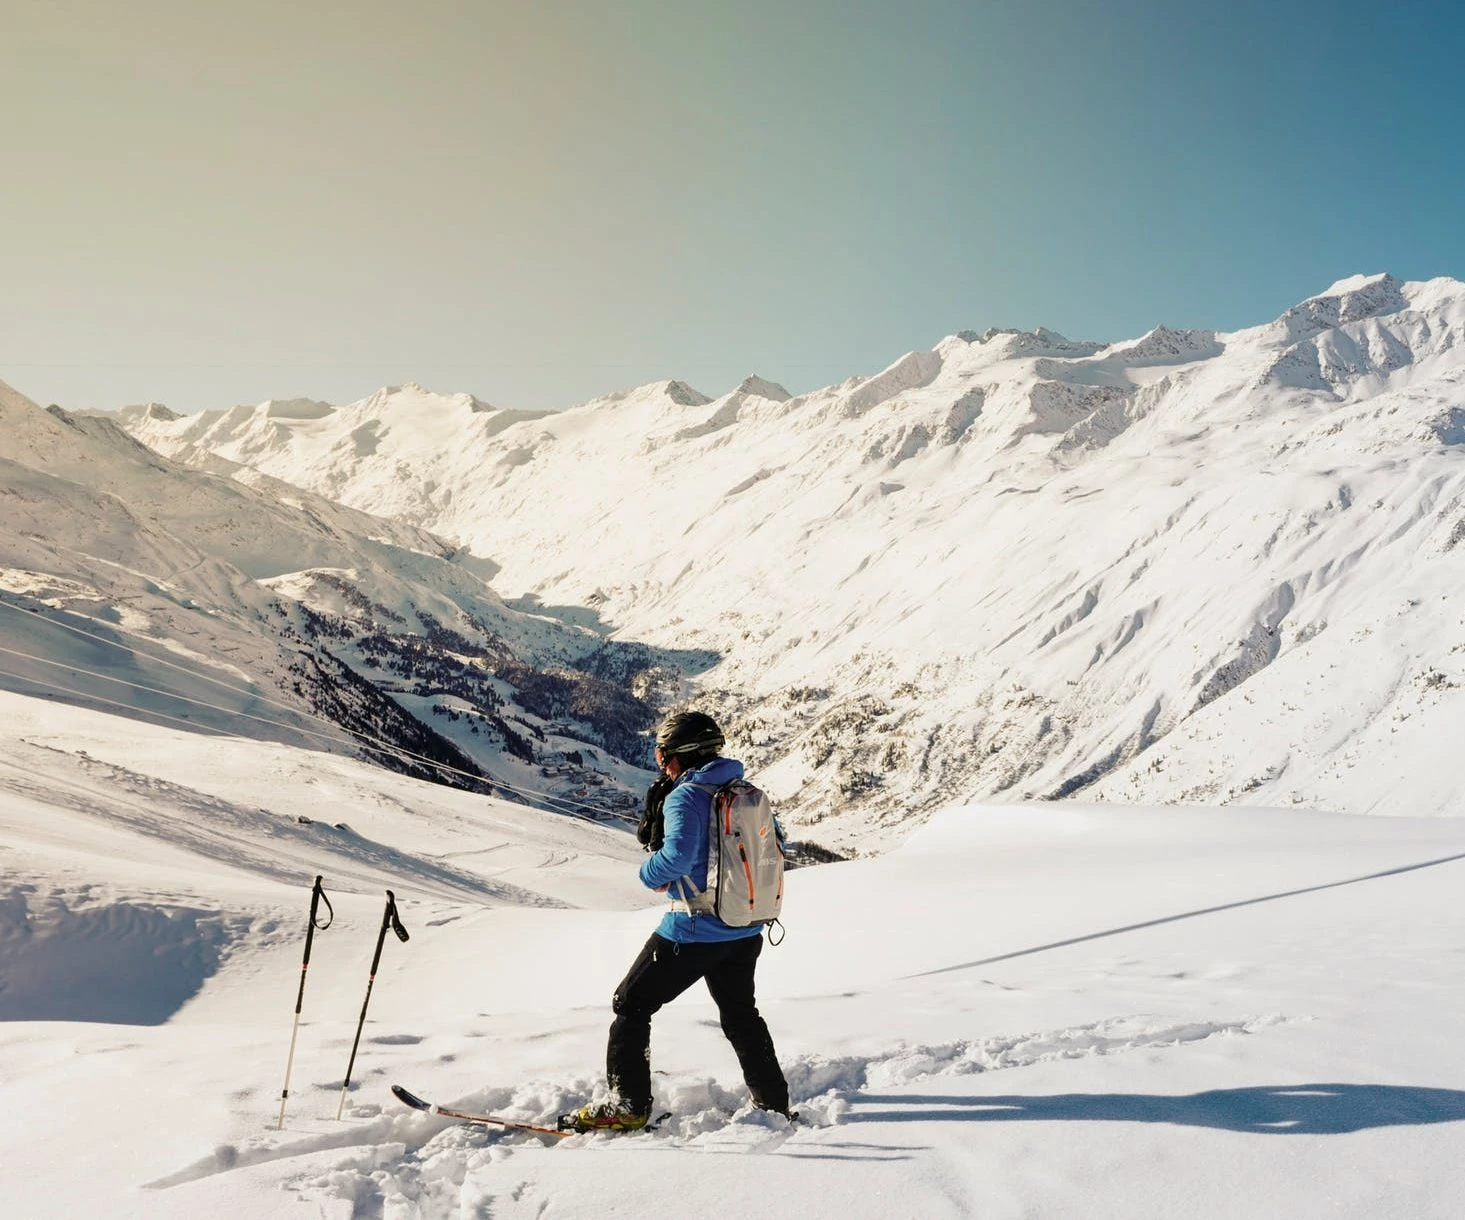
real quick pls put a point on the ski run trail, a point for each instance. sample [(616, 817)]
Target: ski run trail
[(1024, 1011)]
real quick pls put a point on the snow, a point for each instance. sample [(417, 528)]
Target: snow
[(1144, 1011), (760, 387), (1015, 566), (1132, 672)]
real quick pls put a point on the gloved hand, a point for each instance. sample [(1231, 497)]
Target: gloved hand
[(651, 830)]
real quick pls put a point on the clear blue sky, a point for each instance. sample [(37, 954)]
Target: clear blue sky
[(539, 203)]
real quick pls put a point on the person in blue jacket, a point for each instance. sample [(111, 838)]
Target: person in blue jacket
[(685, 947)]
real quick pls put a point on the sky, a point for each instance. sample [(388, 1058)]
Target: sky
[(205, 205)]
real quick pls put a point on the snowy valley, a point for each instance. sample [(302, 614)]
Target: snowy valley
[(1188, 567)]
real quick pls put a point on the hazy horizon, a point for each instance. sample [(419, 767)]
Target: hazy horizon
[(541, 204)]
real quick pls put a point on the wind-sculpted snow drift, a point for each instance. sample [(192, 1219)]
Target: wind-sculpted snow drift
[(1195, 565)]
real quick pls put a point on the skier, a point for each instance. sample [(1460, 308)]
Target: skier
[(685, 947)]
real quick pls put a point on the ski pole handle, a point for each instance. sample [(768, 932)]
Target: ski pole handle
[(396, 922)]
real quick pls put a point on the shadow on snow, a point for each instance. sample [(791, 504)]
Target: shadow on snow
[(1309, 1109)]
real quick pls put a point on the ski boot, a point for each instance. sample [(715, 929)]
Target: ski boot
[(606, 1116)]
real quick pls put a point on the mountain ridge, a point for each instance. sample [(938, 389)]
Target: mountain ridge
[(1013, 566)]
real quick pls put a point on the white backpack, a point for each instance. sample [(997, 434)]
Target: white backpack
[(744, 859)]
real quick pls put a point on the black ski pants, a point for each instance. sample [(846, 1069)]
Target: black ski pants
[(663, 970)]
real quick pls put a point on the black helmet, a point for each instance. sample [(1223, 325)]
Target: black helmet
[(689, 734)]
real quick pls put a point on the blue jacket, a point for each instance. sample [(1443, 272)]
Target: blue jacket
[(688, 817)]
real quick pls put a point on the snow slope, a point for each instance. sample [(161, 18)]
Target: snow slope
[(1025, 1011), (214, 595), (1193, 566)]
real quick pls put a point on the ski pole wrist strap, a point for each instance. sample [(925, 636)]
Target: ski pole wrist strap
[(394, 918), (317, 896)]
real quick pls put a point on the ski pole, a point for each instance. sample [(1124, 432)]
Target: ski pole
[(389, 919), (317, 896)]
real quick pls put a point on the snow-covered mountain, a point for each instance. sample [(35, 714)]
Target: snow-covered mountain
[(216, 596), (1194, 565)]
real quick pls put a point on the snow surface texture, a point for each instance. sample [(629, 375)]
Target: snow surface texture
[(1195, 566), (1026, 1011)]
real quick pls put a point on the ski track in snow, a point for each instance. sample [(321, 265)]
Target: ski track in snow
[(429, 1163)]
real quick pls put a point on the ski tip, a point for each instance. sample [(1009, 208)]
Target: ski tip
[(410, 1099)]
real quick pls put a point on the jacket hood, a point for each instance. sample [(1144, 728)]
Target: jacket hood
[(717, 772)]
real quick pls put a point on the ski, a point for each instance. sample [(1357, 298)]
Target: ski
[(467, 1116)]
